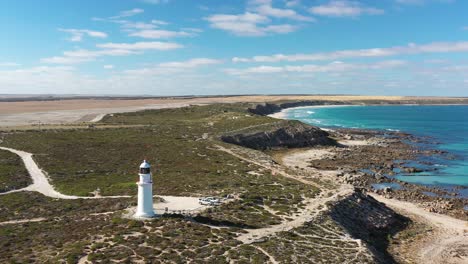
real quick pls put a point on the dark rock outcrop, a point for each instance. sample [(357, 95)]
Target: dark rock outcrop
[(369, 220), (291, 134)]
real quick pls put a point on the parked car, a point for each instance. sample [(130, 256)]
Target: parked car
[(203, 201), (209, 201)]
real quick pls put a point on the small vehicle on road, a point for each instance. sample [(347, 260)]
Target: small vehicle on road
[(209, 201)]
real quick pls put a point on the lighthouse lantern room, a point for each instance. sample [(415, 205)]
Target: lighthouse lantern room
[(145, 192)]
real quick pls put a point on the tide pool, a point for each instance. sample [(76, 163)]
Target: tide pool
[(445, 125)]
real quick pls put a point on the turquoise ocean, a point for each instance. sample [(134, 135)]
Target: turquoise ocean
[(443, 127)]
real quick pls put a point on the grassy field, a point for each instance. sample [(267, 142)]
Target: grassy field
[(13, 174), (177, 142), (181, 144)]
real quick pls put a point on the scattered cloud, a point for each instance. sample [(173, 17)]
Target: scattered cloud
[(141, 46), (175, 66), (190, 63), (128, 13), (292, 3), (336, 66), (108, 67), (344, 8), (173, 78), (66, 60), (248, 24), (110, 49), (78, 34), (160, 34), (9, 64), (265, 8), (436, 47), (148, 30), (259, 19), (128, 25)]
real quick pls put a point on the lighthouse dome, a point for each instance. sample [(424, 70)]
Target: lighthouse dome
[(145, 165), (145, 168)]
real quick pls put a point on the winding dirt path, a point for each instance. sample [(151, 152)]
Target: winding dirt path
[(32, 220), (41, 182), (313, 207), (450, 241), (274, 169)]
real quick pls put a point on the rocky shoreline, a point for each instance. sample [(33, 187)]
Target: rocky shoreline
[(372, 166), (376, 162)]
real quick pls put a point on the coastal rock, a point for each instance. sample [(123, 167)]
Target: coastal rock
[(412, 170), (369, 220), (291, 134)]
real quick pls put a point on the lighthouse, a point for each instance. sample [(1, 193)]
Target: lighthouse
[(145, 192)]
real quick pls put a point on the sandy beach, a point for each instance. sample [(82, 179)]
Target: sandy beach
[(284, 112)]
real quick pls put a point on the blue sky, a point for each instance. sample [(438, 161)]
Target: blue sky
[(182, 47)]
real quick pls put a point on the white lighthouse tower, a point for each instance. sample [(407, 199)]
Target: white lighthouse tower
[(145, 192)]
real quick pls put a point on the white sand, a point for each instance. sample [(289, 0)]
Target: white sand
[(284, 113), (350, 143), (178, 203), (301, 158)]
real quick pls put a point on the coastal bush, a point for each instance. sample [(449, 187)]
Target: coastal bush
[(13, 174)]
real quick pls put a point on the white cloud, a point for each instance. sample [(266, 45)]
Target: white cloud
[(128, 13), (66, 60), (174, 66), (83, 55), (131, 25), (436, 47), (292, 3), (265, 8), (140, 46), (108, 67), (160, 34), (280, 29), (248, 24), (9, 64), (110, 49), (337, 77), (128, 25), (190, 63), (344, 8), (259, 19), (336, 66), (77, 34)]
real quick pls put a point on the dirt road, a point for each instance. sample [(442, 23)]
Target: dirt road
[(449, 243)]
